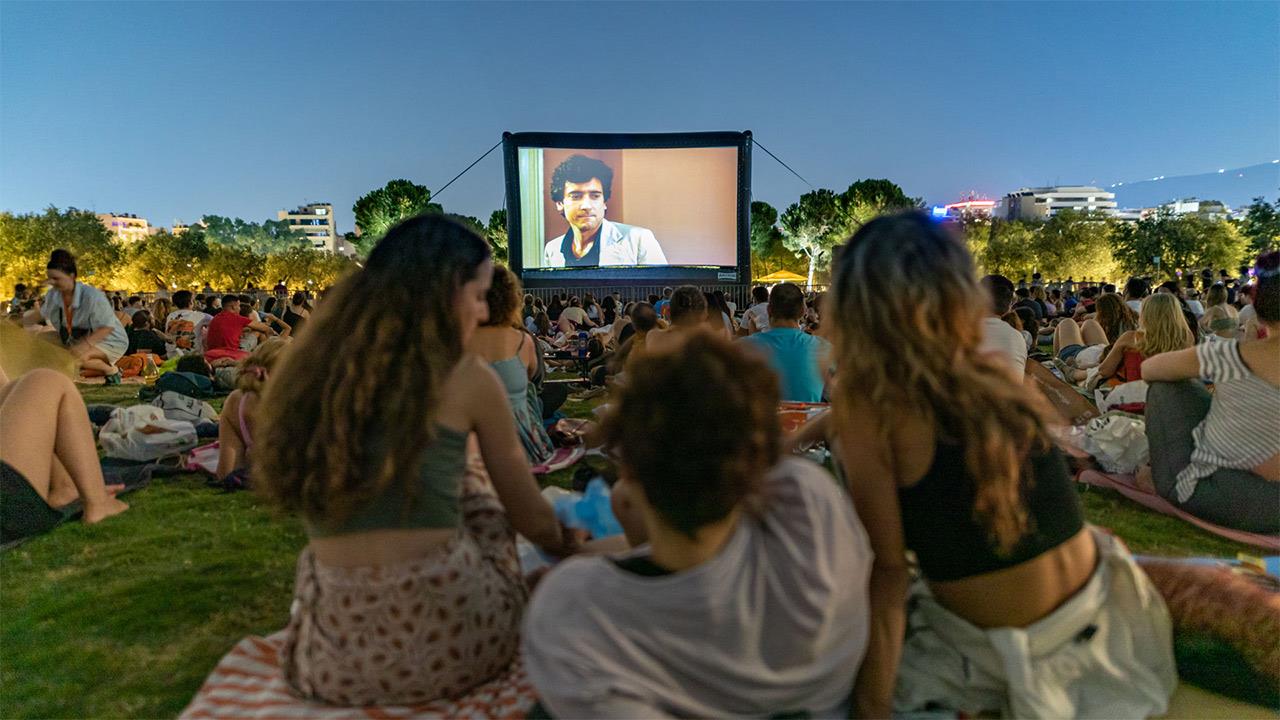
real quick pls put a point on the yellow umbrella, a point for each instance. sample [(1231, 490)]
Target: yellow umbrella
[(782, 276)]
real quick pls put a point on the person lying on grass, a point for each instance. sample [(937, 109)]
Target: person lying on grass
[(48, 458), (746, 591), (235, 422), (1021, 609), (410, 589)]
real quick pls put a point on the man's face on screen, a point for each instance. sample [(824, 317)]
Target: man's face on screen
[(583, 205)]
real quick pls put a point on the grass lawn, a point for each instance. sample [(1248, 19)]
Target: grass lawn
[(126, 618)]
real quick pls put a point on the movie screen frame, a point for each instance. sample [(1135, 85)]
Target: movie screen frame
[(551, 277)]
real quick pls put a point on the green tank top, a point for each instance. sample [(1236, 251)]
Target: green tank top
[(435, 501)]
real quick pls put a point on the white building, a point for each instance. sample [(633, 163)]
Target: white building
[(315, 221), (1044, 202), (127, 227), (1208, 209)]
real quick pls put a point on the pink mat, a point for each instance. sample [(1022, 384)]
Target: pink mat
[(563, 458), (1125, 485)]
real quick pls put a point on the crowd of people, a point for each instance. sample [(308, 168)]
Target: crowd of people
[(947, 564)]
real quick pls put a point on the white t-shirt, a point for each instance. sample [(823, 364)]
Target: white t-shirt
[(777, 622), (1196, 308), (574, 314), (1134, 305), (1000, 338), (187, 328), (758, 312)]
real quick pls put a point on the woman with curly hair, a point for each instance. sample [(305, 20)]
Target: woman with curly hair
[(745, 593), (409, 589), (1020, 609), (513, 354)]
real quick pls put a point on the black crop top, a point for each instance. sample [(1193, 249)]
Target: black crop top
[(938, 522)]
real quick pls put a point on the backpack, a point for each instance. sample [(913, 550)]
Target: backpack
[(185, 383), (177, 406), (142, 432), (132, 365)]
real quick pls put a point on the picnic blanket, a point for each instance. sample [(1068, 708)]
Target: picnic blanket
[(1125, 485), (248, 683), (561, 459)]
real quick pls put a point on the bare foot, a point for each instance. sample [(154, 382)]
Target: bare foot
[(98, 513)]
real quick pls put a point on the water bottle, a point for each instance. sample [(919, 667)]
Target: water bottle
[(150, 373)]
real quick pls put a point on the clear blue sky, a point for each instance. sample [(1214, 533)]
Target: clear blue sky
[(180, 109)]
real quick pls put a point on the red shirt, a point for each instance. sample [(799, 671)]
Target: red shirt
[(224, 331)]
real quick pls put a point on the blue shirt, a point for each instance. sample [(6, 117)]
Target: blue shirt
[(90, 310), (797, 358)]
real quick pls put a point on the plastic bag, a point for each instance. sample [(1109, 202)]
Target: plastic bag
[(1117, 440)]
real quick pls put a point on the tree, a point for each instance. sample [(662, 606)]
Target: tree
[(1181, 242), (768, 254), (232, 267), (865, 200), (304, 266), (1010, 249), (378, 210), (812, 227), (271, 236), (1074, 244), (1261, 227), (27, 240), (496, 234), (175, 261)]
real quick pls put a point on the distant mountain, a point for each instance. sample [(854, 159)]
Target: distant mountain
[(1236, 187)]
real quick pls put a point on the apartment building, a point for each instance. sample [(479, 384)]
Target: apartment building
[(315, 221), (1043, 203), (126, 227)]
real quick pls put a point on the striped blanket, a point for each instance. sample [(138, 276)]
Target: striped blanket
[(247, 683)]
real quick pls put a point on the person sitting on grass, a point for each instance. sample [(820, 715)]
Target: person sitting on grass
[(1220, 317), (644, 321), (573, 318), (144, 338), (746, 591), (513, 355), (999, 336), (50, 459), (1161, 329), (186, 326), (688, 310), (1218, 456), (410, 589), (1083, 345), (235, 422), (756, 317), (222, 340), (798, 358), (83, 319), (1021, 610)]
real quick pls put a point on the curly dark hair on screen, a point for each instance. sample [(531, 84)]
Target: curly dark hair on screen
[(697, 428), (580, 169), (365, 380)]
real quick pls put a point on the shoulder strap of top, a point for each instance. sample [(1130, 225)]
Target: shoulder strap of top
[(244, 426), (521, 345)]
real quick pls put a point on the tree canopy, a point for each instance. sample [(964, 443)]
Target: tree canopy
[(1180, 242), (1261, 227), (378, 210)]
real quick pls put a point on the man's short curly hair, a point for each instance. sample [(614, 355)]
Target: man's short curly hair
[(503, 298), (697, 428), (580, 169)]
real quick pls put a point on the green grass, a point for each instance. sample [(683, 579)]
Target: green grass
[(126, 618)]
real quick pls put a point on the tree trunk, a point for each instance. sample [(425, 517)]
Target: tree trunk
[(812, 261)]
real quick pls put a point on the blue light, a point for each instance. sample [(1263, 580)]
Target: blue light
[(938, 211)]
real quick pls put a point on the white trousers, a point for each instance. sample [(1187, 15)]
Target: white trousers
[(1105, 653)]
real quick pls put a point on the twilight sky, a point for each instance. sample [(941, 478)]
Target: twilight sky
[(175, 110)]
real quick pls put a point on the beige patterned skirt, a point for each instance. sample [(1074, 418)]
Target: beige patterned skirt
[(413, 632)]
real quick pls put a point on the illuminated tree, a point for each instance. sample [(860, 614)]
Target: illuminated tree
[(379, 210)]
